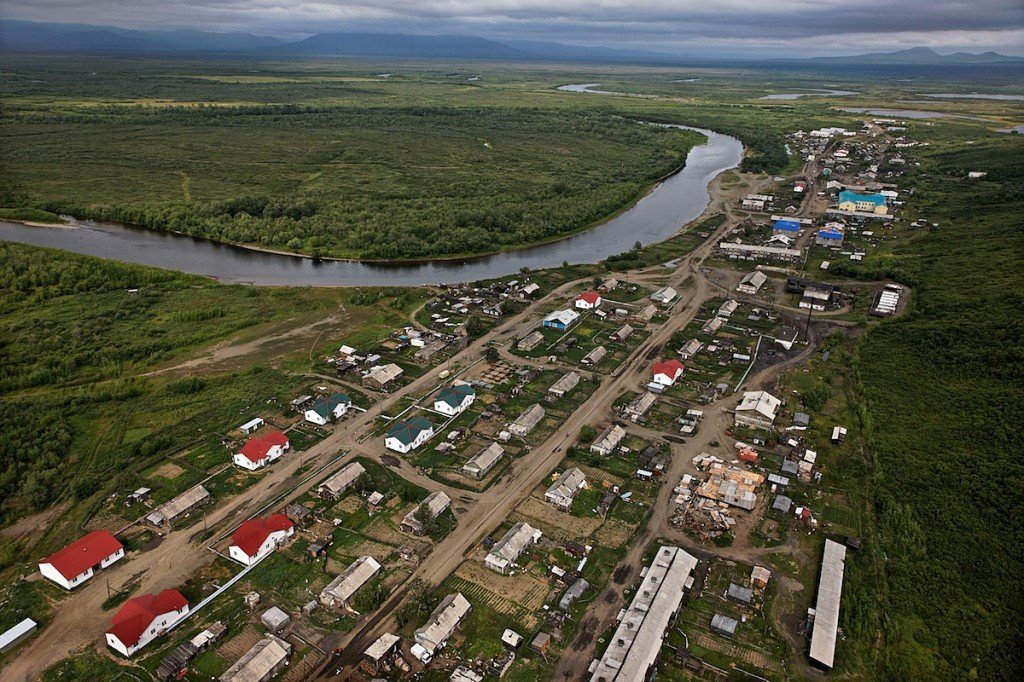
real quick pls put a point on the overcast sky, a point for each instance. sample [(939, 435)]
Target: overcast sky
[(728, 27)]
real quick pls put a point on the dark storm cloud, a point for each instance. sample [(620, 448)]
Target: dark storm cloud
[(818, 26)]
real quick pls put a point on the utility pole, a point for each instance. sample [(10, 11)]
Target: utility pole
[(807, 329)]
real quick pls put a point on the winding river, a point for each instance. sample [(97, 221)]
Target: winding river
[(677, 200)]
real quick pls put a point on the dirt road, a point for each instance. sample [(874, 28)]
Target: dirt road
[(76, 625)]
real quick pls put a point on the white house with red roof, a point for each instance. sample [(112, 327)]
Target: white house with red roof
[(144, 618), (76, 563), (258, 537), (260, 451), (588, 300), (667, 371)]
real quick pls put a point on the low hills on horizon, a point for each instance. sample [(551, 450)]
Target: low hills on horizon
[(26, 36)]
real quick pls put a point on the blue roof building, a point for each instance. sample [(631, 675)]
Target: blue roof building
[(862, 202), (786, 226)]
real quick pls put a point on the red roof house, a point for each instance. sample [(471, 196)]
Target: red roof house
[(256, 537), (262, 449), (143, 618), (588, 300), (667, 371), (74, 564)]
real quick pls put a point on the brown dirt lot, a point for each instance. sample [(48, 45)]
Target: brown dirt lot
[(168, 470), (522, 588), (614, 533), (556, 523)]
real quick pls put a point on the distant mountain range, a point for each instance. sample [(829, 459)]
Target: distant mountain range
[(26, 36), (919, 55)]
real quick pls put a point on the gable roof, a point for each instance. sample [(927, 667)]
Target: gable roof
[(565, 317), (324, 406), (787, 225), (83, 553), (251, 535), (257, 448), (135, 616), (591, 297), (454, 395), (668, 367), (406, 431)]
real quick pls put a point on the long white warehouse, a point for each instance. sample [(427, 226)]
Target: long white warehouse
[(635, 645), (826, 610)]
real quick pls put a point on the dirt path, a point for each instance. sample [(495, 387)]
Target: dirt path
[(229, 350)]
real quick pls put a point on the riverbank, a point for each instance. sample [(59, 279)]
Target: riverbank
[(655, 216)]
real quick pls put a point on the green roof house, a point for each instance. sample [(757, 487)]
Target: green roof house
[(408, 434), (454, 400), (328, 408)]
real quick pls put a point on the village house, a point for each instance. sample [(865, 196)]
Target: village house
[(757, 410), (482, 462), (73, 565), (727, 309), (636, 410), (454, 400), (831, 235), (436, 503), (759, 577), (664, 296), (666, 372), (257, 537), (440, 626), (588, 300), (144, 618), (816, 296), (786, 227), (609, 284), (339, 592), (378, 654), (511, 546), (328, 408), (647, 313), (595, 356), (752, 282), (530, 341), (609, 439), (260, 451), (691, 348), (333, 487), (756, 202), (564, 385), (563, 491), (622, 334), (527, 421), (561, 319), (572, 593), (381, 375), (406, 435)]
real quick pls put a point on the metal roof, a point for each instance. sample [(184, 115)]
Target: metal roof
[(639, 635), (826, 609)]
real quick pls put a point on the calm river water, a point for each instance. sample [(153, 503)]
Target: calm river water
[(671, 204)]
